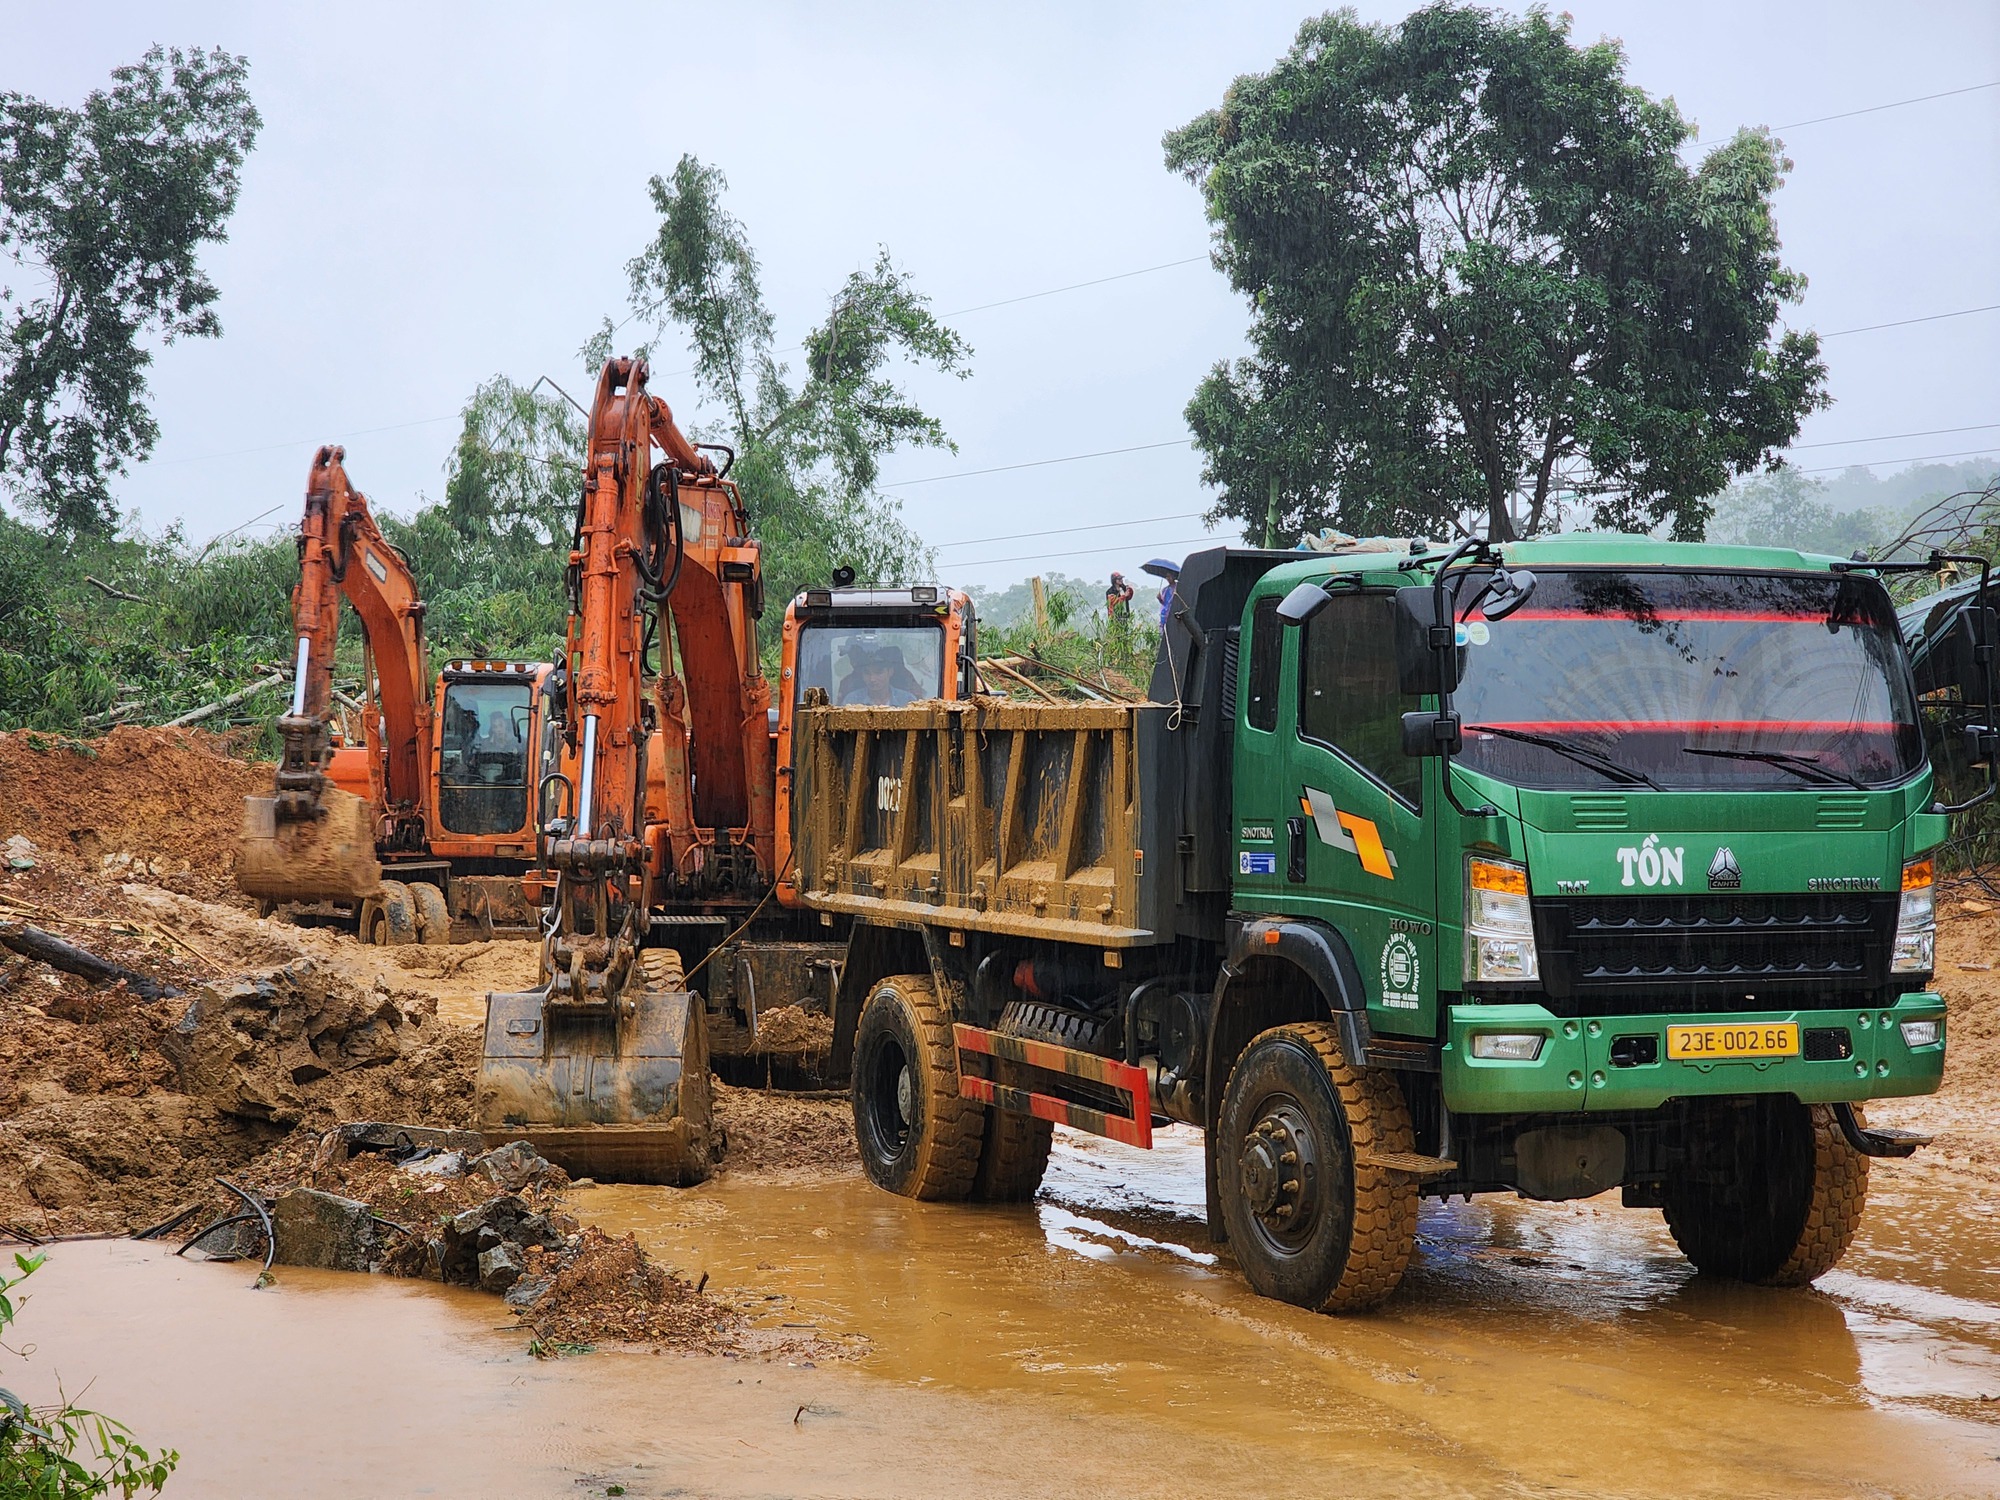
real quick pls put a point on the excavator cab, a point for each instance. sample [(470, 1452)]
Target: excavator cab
[(868, 647)]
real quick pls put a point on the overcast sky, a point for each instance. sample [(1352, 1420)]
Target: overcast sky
[(442, 193)]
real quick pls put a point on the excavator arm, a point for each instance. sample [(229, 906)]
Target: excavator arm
[(604, 1066), (310, 840)]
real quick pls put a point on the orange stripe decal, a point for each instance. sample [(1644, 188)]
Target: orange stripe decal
[(1368, 844)]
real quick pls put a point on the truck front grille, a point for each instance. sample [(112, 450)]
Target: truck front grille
[(1714, 951)]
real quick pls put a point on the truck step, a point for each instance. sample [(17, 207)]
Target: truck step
[(1079, 1089), (1877, 1141), (1407, 1161)]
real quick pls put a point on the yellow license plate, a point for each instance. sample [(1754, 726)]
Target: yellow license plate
[(1701, 1043)]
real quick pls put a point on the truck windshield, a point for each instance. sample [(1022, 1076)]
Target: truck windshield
[(871, 666), (1712, 681)]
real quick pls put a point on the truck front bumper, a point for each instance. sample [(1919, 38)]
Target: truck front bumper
[(1602, 1062)]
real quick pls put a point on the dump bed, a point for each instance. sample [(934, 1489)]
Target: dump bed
[(899, 813)]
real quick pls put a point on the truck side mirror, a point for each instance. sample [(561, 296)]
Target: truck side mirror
[(1421, 666), (1426, 732), (1302, 603), (1982, 744)]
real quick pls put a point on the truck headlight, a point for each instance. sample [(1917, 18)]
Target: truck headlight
[(1915, 950), (1920, 1033), (1499, 926)]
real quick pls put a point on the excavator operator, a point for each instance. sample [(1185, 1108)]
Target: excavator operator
[(878, 677), (496, 749)]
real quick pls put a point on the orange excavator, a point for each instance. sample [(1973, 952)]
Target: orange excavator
[(663, 827), (429, 815)]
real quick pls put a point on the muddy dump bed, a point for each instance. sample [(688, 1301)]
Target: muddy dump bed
[(990, 816)]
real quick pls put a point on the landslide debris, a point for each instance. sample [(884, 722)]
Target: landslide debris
[(171, 800)]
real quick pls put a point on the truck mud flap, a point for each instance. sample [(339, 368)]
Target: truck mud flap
[(1078, 1089)]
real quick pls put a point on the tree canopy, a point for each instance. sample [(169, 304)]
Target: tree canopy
[(808, 451), (104, 210), (1488, 292)]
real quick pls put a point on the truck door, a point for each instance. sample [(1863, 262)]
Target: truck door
[(1354, 849)]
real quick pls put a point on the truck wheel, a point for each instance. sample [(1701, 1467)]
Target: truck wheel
[(1310, 1224), (433, 916), (396, 923), (1776, 1195), (1012, 1157), (917, 1136)]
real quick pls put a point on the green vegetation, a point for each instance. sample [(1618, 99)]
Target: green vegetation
[(1488, 291), (64, 1452), (808, 452), (104, 209)]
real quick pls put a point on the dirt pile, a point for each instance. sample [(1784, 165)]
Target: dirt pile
[(604, 1290), (171, 798), (770, 1131)]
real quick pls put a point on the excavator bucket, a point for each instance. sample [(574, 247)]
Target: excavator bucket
[(618, 1094), (330, 858)]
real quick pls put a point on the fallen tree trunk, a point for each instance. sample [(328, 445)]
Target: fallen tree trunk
[(209, 710), (46, 947)]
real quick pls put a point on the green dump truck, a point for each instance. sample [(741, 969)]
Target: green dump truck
[(1582, 863)]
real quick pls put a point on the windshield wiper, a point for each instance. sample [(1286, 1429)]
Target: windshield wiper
[(1805, 767), (1604, 765)]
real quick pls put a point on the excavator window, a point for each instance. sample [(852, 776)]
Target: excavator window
[(483, 781), (872, 666)]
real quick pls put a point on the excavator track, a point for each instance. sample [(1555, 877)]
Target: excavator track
[(617, 1095)]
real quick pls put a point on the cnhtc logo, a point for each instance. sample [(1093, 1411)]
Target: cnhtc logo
[(1722, 872), (1654, 864)]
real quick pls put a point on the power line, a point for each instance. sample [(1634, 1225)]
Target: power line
[(1890, 437), (977, 541), (1076, 286), (1872, 109), (1189, 541), (1037, 463), (1963, 312), (1877, 463), (196, 458)]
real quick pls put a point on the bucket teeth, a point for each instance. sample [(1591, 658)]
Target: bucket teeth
[(616, 1093)]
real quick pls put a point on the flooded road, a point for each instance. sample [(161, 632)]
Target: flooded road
[(1090, 1343)]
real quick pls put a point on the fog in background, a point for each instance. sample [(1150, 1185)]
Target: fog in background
[(445, 193)]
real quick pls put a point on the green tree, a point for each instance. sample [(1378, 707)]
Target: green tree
[(1785, 508), (808, 452), (517, 466), (104, 209), (1487, 291)]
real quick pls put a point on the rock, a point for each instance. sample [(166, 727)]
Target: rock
[(517, 1165), (251, 1046), (320, 1229), (444, 1164), (58, 1182), (460, 1240), (499, 1268)]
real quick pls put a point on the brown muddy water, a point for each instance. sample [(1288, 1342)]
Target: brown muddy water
[(1092, 1343)]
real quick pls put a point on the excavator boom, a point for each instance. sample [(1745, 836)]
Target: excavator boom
[(310, 840), (603, 1066)]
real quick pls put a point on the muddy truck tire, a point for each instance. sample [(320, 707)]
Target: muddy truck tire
[(389, 919), (916, 1134), (1013, 1157), (1311, 1219), (433, 915), (1773, 1194)]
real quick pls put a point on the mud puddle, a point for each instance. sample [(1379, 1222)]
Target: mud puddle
[(1563, 1348), (1092, 1343)]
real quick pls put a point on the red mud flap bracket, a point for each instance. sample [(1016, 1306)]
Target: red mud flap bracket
[(1074, 1088)]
